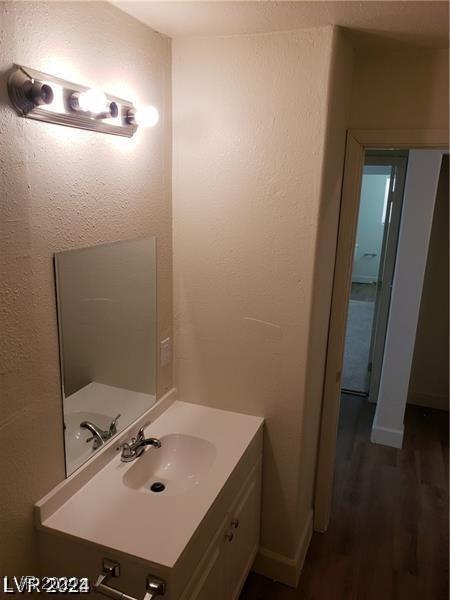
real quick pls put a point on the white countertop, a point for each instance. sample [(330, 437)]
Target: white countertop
[(156, 527)]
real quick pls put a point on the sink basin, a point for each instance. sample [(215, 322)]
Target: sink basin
[(179, 465)]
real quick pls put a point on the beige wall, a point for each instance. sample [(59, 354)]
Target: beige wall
[(249, 133), (430, 369), (64, 188), (340, 86), (259, 122), (400, 89), (258, 158)]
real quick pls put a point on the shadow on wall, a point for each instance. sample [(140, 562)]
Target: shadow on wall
[(400, 89), (4, 98), (21, 379), (275, 501), (429, 384), (63, 188), (330, 199)]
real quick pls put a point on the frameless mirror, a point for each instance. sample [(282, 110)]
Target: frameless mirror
[(106, 299)]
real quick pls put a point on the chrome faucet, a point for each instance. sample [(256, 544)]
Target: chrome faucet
[(137, 446), (99, 436)]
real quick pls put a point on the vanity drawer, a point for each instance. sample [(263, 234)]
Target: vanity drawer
[(61, 556)]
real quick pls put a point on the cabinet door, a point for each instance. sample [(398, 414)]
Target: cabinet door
[(224, 567), (210, 584), (242, 539), (208, 580)]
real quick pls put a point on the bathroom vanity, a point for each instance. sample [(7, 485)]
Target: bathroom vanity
[(197, 533), (162, 498)]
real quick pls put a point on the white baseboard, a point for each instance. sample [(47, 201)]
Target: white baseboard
[(281, 568), (387, 436)]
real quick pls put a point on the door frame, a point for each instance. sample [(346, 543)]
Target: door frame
[(358, 141)]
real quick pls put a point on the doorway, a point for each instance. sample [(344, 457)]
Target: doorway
[(358, 143), (380, 204)]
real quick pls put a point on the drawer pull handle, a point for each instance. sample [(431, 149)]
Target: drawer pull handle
[(154, 586), (229, 536), (235, 523)]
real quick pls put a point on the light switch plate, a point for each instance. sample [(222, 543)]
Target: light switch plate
[(165, 351)]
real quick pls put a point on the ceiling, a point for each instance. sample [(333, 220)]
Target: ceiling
[(422, 23)]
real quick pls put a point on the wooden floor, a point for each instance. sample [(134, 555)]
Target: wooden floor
[(388, 536)]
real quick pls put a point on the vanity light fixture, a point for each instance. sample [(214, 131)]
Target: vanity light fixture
[(147, 116), (32, 94)]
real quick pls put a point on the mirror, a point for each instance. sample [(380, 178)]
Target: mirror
[(106, 300)]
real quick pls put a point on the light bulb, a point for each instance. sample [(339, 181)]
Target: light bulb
[(93, 101), (146, 116), (57, 105), (38, 92)]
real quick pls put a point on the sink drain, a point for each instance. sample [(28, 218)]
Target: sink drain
[(157, 487)]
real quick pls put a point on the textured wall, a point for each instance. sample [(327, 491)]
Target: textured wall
[(338, 106), (249, 129), (403, 89), (259, 130), (429, 373), (64, 188)]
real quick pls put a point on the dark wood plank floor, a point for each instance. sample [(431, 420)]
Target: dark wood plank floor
[(388, 535)]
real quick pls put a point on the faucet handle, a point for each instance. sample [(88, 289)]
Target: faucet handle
[(141, 434), (127, 452), (113, 425)]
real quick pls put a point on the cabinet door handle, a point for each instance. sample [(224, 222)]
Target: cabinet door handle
[(229, 536), (235, 523)]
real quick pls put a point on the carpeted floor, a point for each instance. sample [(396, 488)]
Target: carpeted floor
[(357, 346)]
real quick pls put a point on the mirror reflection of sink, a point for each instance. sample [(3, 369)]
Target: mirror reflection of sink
[(73, 420), (179, 465)]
